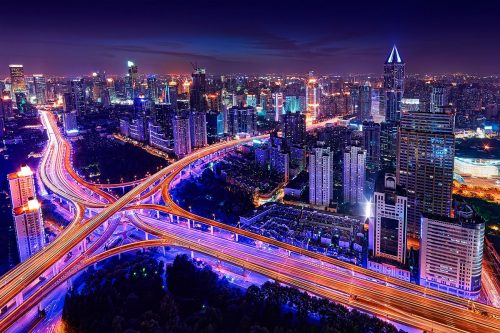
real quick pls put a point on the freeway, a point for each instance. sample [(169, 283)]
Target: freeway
[(440, 309), (35, 266), (56, 167)]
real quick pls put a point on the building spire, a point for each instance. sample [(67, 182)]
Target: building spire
[(394, 56)]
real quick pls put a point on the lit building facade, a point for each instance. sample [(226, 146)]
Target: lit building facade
[(425, 157), (40, 88), (394, 77), (182, 137), (312, 98), (451, 253), (354, 174), (321, 176), (198, 128)]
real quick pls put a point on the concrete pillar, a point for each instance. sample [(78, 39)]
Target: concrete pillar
[(236, 237), (171, 217), (69, 283), (192, 254), (146, 235), (119, 256), (163, 248), (19, 298), (212, 230), (289, 253), (189, 224), (157, 214)]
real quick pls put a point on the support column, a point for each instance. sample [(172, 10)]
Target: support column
[(189, 223), (146, 235), (171, 217), (19, 298), (236, 237), (163, 248), (212, 230), (192, 254), (157, 214)]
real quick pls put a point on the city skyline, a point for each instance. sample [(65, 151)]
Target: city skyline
[(262, 38)]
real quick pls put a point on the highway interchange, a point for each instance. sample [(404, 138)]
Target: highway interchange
[(324, 276)]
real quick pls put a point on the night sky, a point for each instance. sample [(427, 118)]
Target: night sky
[(330, 37)]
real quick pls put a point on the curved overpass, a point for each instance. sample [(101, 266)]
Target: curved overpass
[(35, 266)]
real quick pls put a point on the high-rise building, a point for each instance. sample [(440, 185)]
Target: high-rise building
[(22, 186), (365, 102), (78, 96), (98, 86), (278, 105), (241, 120), (197, 95), (198, 128), (6, 109), (371, 133), (354, 175), (312, 99), (321, 176), (40, 88), (394, 78), (294, 128), (279, 161), (27, 213), (29, 229), (171, 95), (182, 137), (70, 124), (152, 92), (451, 252), (17, 80), (425, 157), (439, 99), (388, 145), (132, 86), (388, 230)]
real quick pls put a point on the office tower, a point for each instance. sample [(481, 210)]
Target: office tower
[(364, 111), (6, 110), (388, 145), (138, 128), (18, 83), (451, 252), (158, 138), (171, 95), (29, 229), (78, 96), (298, 160), (152, 92), (182, 137), (294, 128), (215, 126), (197, 95), (22, 186), (389, 228), (40, 88), (371, 134), (312, 99), (241, 120), (321, 175), (439, 99), (251, 100), (198, 128), (110, 87), (278, 105), (98, 85), (279, 161), (425, 154), (132, 88), (394, 76), (354, 175), (69, 123)]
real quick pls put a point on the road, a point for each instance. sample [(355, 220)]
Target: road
[(430, 308)]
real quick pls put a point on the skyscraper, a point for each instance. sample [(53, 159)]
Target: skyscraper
[(198, 128), (22, 186), (78, 96), (182, 137), (278, 105), (27, 213), (439, 98), (294, 128), (70, 123), (17, 79), (371, 133), (312, 99), (321, 175), (354, 175), (425, 157), (241, 120), (394, 75), (451, 252), (365, 102), (132, 88), (152, 92), (388, 231), (197, 95), (171, 95), (40, 88)]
